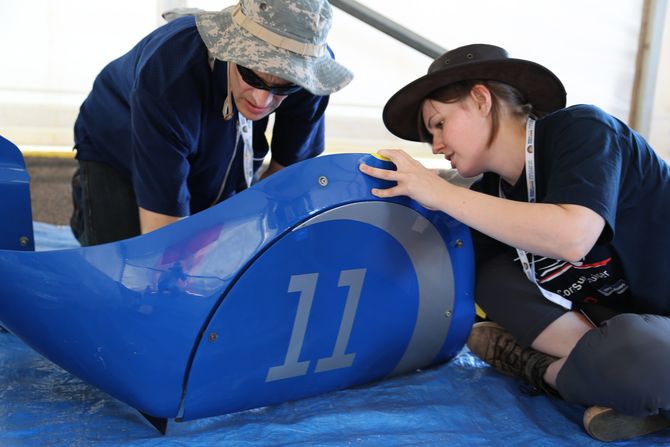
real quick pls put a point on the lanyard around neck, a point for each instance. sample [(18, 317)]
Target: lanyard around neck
[(529, 265)]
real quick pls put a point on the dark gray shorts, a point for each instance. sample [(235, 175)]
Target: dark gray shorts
[(624, 363), (509, 299)]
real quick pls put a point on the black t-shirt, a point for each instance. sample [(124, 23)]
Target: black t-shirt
[(584, 156)]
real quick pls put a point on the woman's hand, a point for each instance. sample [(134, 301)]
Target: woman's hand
[(412, 178), (558, 231)]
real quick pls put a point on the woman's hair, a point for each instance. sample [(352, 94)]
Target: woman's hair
[(501, 94)]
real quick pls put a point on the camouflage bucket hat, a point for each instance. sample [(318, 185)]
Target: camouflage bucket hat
[(284, 38)]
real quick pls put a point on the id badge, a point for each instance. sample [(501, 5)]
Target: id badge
[(246, 130)]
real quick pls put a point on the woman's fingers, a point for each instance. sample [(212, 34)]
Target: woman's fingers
[(405, 170), (412, 179), (388, 192), (398, 157), (391, 153), (383, 174), (402, 160)]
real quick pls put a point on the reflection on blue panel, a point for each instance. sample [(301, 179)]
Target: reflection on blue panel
[(16, 218), (302, 284)]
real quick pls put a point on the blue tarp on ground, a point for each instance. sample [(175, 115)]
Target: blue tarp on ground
[(461, 403)]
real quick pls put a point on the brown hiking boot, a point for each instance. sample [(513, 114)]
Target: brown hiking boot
[(497, 347), (605, 424)]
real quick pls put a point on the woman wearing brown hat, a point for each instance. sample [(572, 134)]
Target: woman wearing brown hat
[(569, 224)]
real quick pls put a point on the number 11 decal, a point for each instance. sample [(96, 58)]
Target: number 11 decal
[(306, 286)]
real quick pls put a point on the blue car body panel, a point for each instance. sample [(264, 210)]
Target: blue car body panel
[(302, 284), (16, 219)]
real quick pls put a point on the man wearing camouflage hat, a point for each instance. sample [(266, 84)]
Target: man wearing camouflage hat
[(177, 124)]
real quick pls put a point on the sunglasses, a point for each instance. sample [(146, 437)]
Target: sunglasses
[(251, 78)]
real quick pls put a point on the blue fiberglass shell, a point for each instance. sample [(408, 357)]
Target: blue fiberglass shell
[(16, 226), (302, 284)]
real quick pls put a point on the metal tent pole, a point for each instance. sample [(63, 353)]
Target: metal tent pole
[(389, 27), (646, 67)]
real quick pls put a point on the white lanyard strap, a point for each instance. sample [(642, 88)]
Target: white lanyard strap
[(529, 265), (245, 131), (245, 127), (530, 159)]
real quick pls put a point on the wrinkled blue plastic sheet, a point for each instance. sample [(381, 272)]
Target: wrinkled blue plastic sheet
[(461, 403)]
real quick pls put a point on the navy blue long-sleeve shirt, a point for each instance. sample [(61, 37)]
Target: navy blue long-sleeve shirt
[(155, 114)]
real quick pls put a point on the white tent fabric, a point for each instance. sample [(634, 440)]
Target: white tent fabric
[(592, 46)]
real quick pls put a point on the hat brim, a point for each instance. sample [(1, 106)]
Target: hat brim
[(539, 86), (231, 43)]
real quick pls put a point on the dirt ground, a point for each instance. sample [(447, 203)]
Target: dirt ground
[(50, 190)]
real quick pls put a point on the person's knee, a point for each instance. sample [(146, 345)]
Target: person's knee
[(637, 336), (635, 359)]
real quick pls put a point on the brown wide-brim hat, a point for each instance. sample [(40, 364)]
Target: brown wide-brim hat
[(539, 86)]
